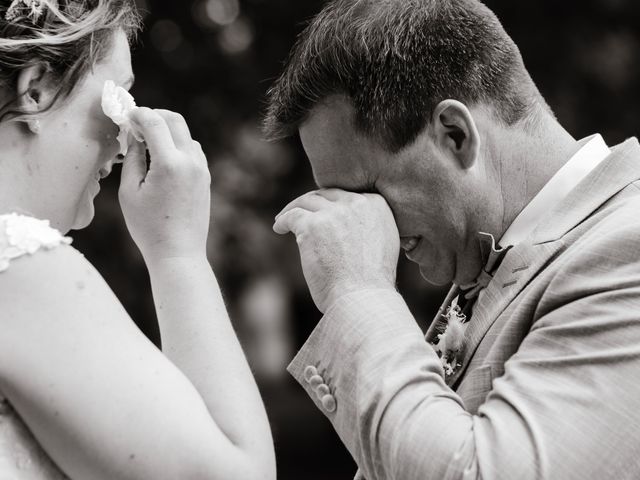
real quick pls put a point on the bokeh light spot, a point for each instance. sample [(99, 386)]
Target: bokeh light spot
[(236, 37), (166, 35), (222, 12)]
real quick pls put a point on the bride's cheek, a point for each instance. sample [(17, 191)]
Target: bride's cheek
[(109, 146), (108, 134)]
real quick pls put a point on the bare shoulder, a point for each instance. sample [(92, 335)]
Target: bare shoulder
[(49, 278), (32, 253), (52, 300), (78, 370)]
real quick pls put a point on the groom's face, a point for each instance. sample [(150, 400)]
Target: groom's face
[(417, 183)]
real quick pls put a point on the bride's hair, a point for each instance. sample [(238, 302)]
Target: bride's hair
[(67, 37)]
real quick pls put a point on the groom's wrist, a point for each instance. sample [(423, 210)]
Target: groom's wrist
[(352, 290), (361, 296)]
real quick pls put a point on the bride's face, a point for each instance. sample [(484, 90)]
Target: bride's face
[(77, 141)]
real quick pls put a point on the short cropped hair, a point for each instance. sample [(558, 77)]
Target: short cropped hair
[(396, 60)]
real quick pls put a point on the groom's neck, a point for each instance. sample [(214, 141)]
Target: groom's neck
[(528, 157)]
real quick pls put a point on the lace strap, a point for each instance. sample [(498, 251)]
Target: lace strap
[(22, 235)]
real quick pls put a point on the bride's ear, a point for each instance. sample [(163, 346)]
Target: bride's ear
[(34, 90)]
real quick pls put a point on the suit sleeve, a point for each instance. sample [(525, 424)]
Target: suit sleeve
[(565, 408)]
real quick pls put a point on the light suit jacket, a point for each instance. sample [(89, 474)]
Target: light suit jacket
[(549, 386)]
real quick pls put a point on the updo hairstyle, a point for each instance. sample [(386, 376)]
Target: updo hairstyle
[(67, 37)]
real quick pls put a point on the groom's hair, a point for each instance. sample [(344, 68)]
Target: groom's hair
[(396, 60)]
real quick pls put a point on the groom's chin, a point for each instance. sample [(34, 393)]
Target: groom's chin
[(432, 277)]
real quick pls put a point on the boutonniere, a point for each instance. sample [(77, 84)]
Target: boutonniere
[(451, 340)]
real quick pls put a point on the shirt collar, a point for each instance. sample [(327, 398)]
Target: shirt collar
[(591, 153)]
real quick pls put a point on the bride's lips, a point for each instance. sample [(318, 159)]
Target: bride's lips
[(102, 173), (99, 175)]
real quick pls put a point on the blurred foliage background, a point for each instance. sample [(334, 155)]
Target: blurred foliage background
[(212, 61)]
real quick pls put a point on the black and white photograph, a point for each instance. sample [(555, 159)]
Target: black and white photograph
[(319, 240)]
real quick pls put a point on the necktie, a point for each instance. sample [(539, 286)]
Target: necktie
[(492, 256), (465, 298)]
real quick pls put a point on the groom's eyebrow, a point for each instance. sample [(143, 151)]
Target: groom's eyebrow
[(365, 189)]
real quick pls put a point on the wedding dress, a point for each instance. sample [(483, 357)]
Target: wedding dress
[(21, 456)]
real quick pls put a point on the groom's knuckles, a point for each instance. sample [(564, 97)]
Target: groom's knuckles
[(297, 203), (286, 209), (368, 202), (289, 221), (304, 201), (375, 200), (335, 194), (359, 202)]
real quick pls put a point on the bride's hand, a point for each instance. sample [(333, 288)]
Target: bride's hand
[(167, 207)]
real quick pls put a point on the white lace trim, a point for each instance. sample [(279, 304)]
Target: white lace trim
[(21, 235)]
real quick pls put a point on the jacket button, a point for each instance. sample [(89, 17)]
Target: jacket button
[(309, 372), (329, 403), (322, 390), (316, 381)]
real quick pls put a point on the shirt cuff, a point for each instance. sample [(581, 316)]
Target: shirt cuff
[(357, 321)]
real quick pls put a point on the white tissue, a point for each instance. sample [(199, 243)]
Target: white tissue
[(117, 104)]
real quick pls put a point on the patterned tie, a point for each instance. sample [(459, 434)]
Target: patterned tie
[(465, 298), (492, 256)]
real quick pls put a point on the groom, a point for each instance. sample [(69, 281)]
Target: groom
[(425, 131)]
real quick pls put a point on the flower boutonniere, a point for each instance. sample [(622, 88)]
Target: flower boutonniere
[(451, 340)]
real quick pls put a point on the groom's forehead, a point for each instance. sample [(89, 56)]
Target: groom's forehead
[(339, 155), (353, 180)]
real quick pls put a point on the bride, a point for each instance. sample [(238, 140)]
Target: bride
[(83, 393)]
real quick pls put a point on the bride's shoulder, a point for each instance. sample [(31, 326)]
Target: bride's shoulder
[(43, 278), (22, 235), (37, 262)]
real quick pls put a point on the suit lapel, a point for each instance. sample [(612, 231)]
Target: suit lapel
[(524, 261), (519, 266)]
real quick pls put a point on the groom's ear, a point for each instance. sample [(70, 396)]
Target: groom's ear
[(456, 132), (35, 92)]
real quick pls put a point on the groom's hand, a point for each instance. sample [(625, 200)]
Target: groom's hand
[(347, 242)]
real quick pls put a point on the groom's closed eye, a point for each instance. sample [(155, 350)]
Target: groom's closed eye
[(364, 188), (368, 189)]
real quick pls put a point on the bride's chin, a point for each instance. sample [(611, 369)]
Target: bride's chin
[(84, 216), (82, 222), (85, 210)]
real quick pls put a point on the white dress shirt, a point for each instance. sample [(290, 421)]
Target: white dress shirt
[(591, 153)]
